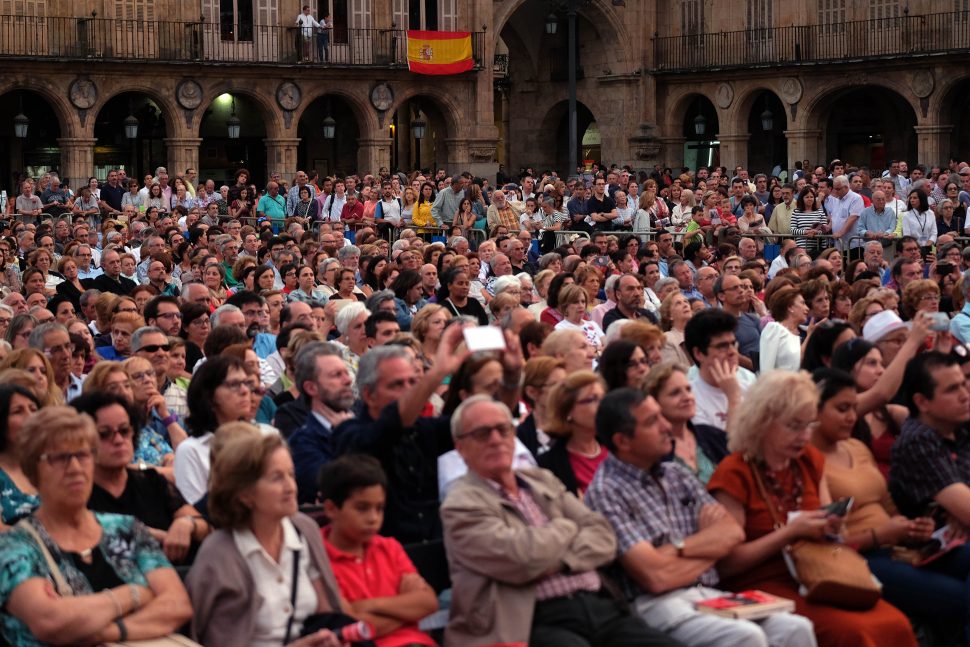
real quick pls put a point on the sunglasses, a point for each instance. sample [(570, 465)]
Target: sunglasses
[(154, 348)]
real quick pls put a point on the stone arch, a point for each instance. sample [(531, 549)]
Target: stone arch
[(765, 149), (168, 107), (261, 95), (444, 101), (951, 110), (740, 109), (601, 8), (364, 111), (54, 92), (817, 105), (681, 102), (554, 127), (342, 151)]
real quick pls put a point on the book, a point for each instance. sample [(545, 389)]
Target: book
[(942, 542), (747, 605)]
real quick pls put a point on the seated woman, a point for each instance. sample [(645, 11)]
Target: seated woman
[(769, 440), (243, 579), (623, 364), (571, 420), (540, 376), (19, 496), (36, 364), (111, 582), (144, 494), (572, 302), (935, 594), (699, 448)]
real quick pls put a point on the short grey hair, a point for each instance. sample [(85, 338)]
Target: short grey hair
[(375, 300), (456, 417), (368, 370), (187, 288), (88, 296), (347, 315), (221, 310), (141, 332), (611, 280), (874, 244), (659, 286), (457, 239), (305, 363), (6, 309), (548, 258), (348, 250), (36, 339), (840, 180), (504, 282), (400, 243)]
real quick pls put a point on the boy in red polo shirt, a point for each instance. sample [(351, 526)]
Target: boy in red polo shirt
[(375, 575)]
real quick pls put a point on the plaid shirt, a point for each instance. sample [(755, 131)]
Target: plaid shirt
[(656, 506), (923, 463), (559, 585)]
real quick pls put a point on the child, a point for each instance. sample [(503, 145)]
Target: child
[(375, 575)]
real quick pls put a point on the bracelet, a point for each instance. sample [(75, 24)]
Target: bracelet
[(135, 597), (122, 630), (119, 611), (875, 540), (170, 419)]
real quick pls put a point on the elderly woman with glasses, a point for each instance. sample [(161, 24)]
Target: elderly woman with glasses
[(71, 575), (120, 488), (922, 295), (773, 470)]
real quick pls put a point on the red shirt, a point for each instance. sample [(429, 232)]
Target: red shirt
[(355, 212), (584, 468), (377, 575)]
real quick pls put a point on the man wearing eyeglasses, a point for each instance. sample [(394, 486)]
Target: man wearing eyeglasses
[(522, 551), (719, 382), (53, 340)]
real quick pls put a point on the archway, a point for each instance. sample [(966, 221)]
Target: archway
[(38, 152), (336, 154), (767, 122), (554, 134), (699, 128), (867, 126), (419, 130), (115, 148), (220, 154)]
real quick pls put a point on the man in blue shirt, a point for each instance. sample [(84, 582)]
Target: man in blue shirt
[(272, 205)]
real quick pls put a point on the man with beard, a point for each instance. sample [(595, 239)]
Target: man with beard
[(323, 379)]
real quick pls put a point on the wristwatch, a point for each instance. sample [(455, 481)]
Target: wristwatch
[(679, 544)]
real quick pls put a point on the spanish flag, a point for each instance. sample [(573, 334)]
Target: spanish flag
[(439, 52)]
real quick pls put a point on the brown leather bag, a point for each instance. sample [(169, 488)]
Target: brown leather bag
[(828, 572)]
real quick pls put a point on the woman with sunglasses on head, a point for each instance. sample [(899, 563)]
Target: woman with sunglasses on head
[(121, 488)]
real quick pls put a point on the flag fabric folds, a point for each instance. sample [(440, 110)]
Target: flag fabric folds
[(439, 52)]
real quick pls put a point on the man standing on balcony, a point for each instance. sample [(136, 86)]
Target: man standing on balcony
[(306, 23), (323, 39)]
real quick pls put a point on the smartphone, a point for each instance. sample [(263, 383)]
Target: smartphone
[(926, 250), (943, 268), (940, 323), (484, 338), (840, 508)]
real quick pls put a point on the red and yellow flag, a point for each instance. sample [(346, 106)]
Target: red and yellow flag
[(439, 52)]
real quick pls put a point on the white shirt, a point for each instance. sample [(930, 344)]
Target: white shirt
[(780, 348), (591, 331), (712, 404), (192, 467), (391, 211), (451, 466), (274, 585)]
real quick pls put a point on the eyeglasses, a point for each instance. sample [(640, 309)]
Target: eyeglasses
[(637, 362), (108, 433), (930, 297), (201, 322), (61, 460), (169, 315), (257, 389), (237, 385), (143, 376), (483, 433), (797, 426), (56, 350), (134, 309), (154, 348)]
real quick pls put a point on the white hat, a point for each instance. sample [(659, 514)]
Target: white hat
[(881, 324)]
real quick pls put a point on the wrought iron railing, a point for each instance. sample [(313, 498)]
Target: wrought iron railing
[(796, 45), (94, 38)]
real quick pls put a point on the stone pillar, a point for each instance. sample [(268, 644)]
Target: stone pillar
[(734, 149), (183, 153), (281, 156), (804, 145), (373, 153), (77, 159), (456, 155), (933, 143), (672, 154)]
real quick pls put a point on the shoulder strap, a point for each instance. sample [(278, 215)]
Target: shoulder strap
[(293, 587), (764, 494), (60, 583)]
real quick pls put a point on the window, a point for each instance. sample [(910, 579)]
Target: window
[(22, 8), (400, 11), (759, 20), (360, 14), (236, 20), (831, 17), (962, 9), (691, 17), (884, 9), (134, 10)]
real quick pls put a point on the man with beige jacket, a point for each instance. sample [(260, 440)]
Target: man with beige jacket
[(523, 552)]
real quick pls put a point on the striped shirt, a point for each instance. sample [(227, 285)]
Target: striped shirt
[(802, 221)]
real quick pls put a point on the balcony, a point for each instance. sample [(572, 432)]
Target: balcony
[(102, 39), (942, 33)]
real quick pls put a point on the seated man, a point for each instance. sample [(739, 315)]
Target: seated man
[(931, 457), (523, 552), (670, 531), (719, 383)]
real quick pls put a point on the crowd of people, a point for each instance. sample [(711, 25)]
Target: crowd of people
[(555, 411)]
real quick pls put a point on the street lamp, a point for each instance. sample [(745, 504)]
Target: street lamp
[(700, 124), (233, 123), (418, 126), (329, 127), (552, 24), (131, 127), (21, 123), (767, 120)]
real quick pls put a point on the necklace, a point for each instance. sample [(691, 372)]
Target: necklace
[(594, 454), (785, 486)]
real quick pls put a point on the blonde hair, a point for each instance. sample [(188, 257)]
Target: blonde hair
[(537, 370), (775, 396), (20, 358), (658, 376), (98, 376), (562, 399), (422, 320)]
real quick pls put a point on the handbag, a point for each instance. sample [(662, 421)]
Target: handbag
[(828, 573), (64, 590)]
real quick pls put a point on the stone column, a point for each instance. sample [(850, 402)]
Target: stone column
[(456, 155), (804, 145), (672, 154), (373, 153), (183, 153), (77, 159), (734, 149), (933, 143), (281, 156)]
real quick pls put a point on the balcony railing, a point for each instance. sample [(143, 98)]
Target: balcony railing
[(65, 38), (780, 46)]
